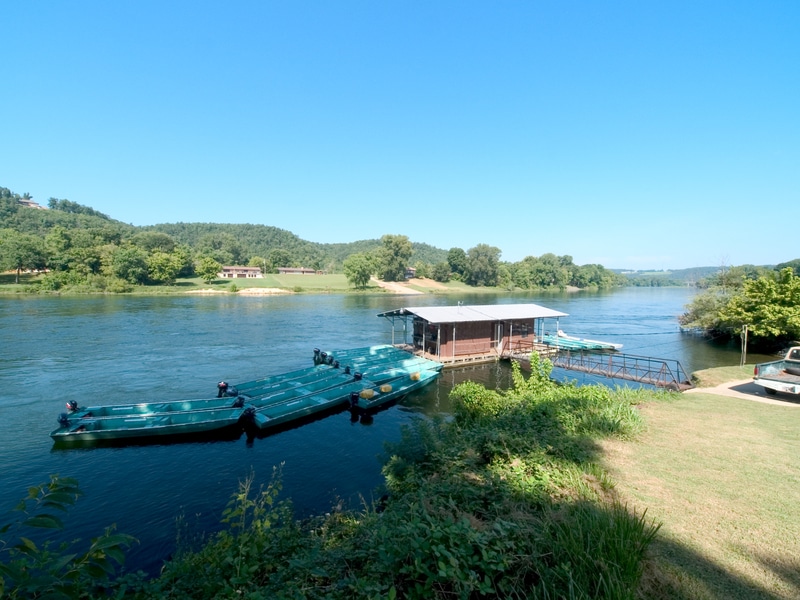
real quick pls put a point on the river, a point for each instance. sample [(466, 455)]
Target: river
[(120, 349)]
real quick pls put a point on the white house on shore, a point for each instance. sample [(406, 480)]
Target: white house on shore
[(240, 273)]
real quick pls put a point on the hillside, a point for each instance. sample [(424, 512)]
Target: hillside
[(84, 239)]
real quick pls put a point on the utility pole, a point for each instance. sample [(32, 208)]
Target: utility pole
[(744, 346)]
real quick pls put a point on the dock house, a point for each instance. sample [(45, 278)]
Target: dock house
[(480, 333)]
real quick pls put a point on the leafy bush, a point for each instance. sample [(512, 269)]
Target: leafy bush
[(57, 280), (28, 570)]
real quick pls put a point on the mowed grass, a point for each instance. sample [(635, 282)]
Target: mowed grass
[(333, 283), (722, 475), (719, 375)]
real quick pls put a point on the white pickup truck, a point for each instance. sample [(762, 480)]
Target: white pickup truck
[(780, 375)]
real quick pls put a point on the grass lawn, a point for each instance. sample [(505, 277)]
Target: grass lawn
[(723, 477), (719, 375)]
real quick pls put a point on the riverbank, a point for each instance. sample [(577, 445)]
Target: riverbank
[(270, 284), (267, 285)]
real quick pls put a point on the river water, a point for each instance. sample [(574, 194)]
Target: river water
[(117, 349)]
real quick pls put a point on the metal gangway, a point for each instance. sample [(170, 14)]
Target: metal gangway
[(659, 372)]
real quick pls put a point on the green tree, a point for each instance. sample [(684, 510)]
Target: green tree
[(358, 269), (551, 271), (74, 208), (484, 261), (154, 240), (128, 263), (163, 267), (423, 269), (21, 251), (278, 257), (394, 256), (769, 306), (208, 269), (457, 260), (258, 261), (57, 243), (703, 311), (441, 272), (504, 278), (223, 247), (793, 264)]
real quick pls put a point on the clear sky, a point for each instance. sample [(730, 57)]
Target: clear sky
[(635, 134)]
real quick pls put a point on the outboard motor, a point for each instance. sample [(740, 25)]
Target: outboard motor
[(316, 356), (63, 420), (238, 403), (353, 399), (336, 364), (357, 376), (347, 370), (248, 414), (72, 405), (222, 389), (232, 391)]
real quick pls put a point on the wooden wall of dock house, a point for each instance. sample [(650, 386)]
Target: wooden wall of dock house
[(521, 336), (470, 338), (478, 337)]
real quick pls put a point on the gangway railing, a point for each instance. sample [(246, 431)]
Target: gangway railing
[(659, 372)]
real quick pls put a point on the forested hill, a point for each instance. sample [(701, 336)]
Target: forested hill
[(232, 243), (264, 240)]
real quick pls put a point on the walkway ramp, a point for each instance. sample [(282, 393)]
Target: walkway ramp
[(658, 372)]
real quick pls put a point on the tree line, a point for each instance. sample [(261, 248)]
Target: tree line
[(77, 245), (479, 266), (761, 303)]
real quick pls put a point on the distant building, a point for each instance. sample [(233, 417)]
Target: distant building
[(240, 272), (297, 271), (30, 203), (411, 272)]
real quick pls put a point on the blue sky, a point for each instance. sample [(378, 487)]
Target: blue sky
[(635, 134)]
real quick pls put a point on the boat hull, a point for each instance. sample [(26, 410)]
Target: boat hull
[(147, 426)]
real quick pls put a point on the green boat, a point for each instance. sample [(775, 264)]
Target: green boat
[(364, 395), (359, 354), (283, 378), (277, 414), (146, 426), (372, 398)]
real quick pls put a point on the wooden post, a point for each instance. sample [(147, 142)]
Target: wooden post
[(744, 346)]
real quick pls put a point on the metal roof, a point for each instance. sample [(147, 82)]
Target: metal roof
[(488, 312)]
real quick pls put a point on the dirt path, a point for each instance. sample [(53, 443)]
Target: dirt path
[(746, 390), (395, 287)]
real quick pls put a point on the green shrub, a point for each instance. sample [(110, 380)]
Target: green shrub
[(28, 570)]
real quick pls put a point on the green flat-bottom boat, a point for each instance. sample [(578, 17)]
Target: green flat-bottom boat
[(157, 425), (364, 395), (373, 398)]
